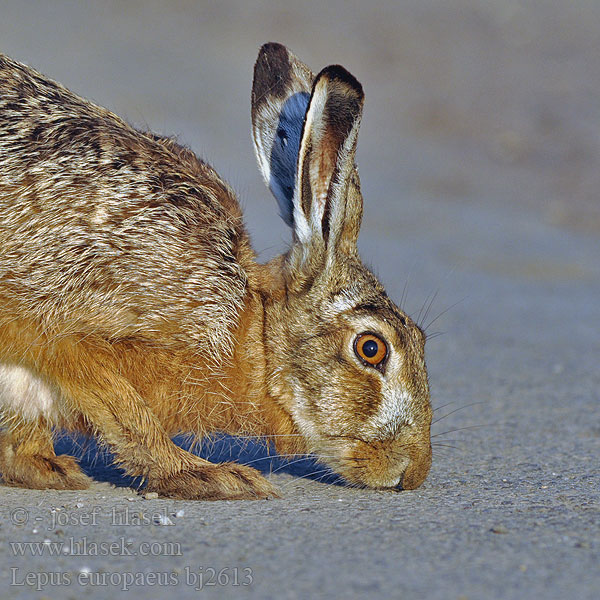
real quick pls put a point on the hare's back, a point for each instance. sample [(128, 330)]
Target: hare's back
[(106, 229)]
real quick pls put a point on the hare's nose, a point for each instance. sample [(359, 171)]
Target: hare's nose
[(399, 485)]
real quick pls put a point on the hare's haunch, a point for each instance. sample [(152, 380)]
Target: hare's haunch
[(132, 307)]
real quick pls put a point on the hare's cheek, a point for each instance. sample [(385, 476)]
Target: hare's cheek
[(392, 413)]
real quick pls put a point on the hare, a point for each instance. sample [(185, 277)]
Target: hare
[(132, 307)]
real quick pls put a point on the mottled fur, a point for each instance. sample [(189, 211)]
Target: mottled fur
[(132, 307)]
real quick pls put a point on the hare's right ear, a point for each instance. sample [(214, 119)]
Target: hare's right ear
[(280, 95)]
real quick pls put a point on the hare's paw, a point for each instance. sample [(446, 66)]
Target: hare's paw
[(40, 472), (225, 481)]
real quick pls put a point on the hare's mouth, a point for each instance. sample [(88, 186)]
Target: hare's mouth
[(390, 464)]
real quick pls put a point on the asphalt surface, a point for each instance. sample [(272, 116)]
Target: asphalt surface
[(479, 157)]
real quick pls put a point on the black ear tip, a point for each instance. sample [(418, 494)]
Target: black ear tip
[(271, 72), (271, 47), (271, 55), (337, 73)]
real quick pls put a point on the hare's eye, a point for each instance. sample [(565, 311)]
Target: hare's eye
[(370, 349)]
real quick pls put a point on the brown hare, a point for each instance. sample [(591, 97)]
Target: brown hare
[(132, 307)]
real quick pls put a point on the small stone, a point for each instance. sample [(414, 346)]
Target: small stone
[(79, 504), (180, 513), (131, 499), (499, 529), (151, 496)]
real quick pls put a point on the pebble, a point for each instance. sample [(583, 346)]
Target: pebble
[(499, 529), (151, 496)]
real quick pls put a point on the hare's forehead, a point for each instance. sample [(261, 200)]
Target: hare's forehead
[(366, 311)]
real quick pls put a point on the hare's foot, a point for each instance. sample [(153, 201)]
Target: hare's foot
[(27, 459), (207, 481)]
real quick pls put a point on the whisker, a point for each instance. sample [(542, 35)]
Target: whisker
[(284, 456), (324, 471), (463, 428), (426, 327), (432, 336), (444, 405), (404, 297), (435, 295), (456, 410), (268, 436)]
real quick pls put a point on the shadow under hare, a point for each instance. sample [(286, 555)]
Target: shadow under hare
[(132, 307)]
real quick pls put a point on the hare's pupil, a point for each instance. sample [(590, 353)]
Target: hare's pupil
[(370, 348)]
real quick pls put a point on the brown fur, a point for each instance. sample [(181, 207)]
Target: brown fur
[(132, 308)]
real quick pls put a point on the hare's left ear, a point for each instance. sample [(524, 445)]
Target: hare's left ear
[(280, 94)]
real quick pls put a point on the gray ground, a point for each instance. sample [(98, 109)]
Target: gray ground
[(479, 160)]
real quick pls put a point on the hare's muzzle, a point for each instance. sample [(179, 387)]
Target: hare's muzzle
[(385, 464), (417, 470)]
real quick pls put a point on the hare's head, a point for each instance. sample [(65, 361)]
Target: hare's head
[(346, 364)]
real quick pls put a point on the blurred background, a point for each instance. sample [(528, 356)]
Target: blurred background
[(478, 152), (477, 102)]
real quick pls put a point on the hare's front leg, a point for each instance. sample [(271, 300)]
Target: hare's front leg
[(89, 377), (27, 458)]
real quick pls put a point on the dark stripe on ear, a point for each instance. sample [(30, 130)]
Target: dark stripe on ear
[(327, 208), (306, 195)]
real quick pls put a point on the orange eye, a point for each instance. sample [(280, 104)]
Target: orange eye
[(370, 349)]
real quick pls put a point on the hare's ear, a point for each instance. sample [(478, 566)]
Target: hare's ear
[(280, 95), (327, 201)]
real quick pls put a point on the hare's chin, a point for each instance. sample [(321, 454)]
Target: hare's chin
[(380, 480)]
